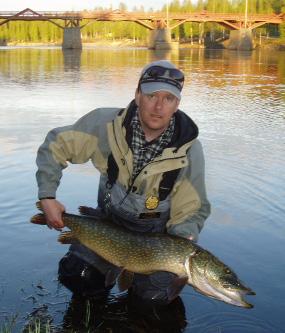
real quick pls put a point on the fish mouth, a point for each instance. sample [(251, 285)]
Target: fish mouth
[(227, 295)]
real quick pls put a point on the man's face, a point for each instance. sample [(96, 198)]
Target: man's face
[(155, 111)]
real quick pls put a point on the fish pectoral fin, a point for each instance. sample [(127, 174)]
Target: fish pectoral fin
[(67, 237), (125, 280), (112, 275), (176, 286)]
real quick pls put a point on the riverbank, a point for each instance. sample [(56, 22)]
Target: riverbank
[(99, 43), (269, 44)]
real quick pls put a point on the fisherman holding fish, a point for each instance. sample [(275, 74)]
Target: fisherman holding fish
[(152, 180)]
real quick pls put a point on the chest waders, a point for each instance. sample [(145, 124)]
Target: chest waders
[(130, 209)]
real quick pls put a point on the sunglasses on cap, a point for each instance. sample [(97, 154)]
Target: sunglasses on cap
[(172, 76)]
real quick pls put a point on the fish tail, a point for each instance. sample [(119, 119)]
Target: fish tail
[(39, 219)]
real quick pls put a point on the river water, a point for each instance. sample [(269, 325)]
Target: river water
[(238, 102)]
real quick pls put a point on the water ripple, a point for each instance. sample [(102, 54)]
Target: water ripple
[(229, 322)]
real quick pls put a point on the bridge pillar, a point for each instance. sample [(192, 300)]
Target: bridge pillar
[(240, 40), (72, 38), (160, 39)]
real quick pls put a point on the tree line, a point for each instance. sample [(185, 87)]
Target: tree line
[(46, 32)]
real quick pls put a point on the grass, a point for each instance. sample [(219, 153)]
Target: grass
[(87, 314), (9, 324), (41, 324), (36, 326)]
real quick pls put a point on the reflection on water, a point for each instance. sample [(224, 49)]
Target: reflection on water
[(121, 314), (118, 314), (238, 102)]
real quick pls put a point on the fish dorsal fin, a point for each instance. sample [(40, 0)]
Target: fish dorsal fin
[(67, 237), (176, 286), (125, 280)]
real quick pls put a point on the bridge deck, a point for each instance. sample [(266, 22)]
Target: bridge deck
[(149, 20)]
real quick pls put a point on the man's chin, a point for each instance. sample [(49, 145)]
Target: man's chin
[(155, 125)]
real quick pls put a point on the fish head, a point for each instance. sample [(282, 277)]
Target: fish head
[(213, 278)]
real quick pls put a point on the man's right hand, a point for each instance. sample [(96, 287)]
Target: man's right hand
[(53, 210)]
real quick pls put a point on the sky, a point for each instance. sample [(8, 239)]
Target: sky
[(76, 5)]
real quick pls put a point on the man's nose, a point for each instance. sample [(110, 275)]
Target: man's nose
[(159, 102)]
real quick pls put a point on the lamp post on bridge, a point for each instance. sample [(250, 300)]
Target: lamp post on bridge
[(161, 36), (241, 39), (167, 14), (245, 14), (168, 44)]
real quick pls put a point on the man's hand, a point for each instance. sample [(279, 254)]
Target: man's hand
[(53, 210)]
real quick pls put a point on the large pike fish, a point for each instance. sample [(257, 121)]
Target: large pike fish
[(147, 253)]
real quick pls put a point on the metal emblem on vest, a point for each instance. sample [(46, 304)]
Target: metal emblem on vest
[(152, 202)]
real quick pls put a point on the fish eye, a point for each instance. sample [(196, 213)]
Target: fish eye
[(227, 271)]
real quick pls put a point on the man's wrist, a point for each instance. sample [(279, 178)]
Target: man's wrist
[(51, 198)]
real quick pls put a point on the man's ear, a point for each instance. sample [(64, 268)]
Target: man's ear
[(137, 96)]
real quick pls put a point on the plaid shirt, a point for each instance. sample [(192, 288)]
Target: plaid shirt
[(144, 151)]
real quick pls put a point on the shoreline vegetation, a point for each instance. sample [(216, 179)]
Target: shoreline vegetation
[(275, 44)]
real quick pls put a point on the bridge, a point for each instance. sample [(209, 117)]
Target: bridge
[(157, 22)]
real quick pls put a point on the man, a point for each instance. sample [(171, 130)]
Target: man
[(152, 174)]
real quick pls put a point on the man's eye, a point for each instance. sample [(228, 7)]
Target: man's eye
[(170, 98)]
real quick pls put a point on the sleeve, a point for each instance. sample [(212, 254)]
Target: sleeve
[(189, 204), (74, 144)]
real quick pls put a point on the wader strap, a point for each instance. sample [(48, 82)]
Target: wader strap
[(112, 170), (167, 182)]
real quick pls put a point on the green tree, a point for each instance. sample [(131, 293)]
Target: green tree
[(277, 6), (282, 26)]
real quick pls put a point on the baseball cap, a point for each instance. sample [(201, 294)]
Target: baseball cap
[(161, 75)]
